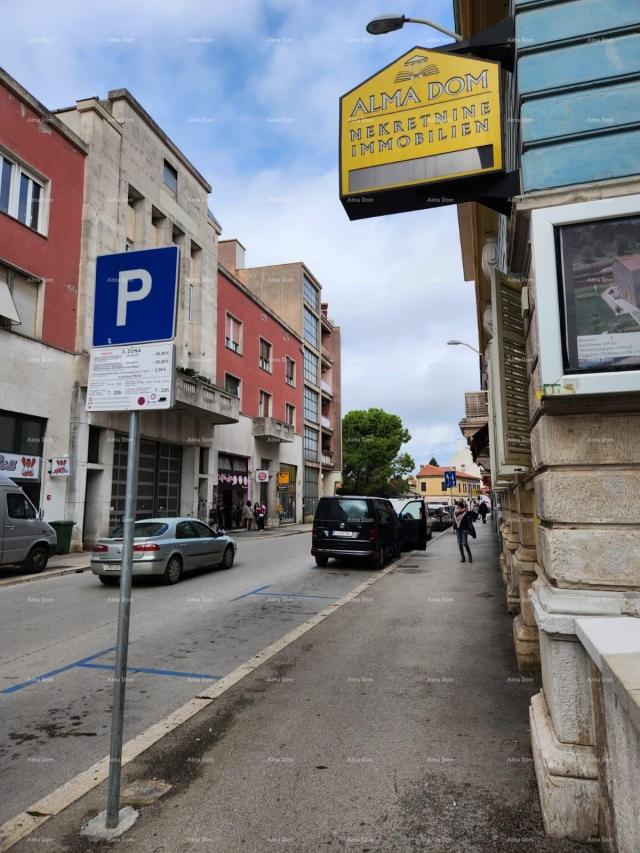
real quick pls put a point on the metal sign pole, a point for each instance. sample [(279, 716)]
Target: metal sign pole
[(120, 676)]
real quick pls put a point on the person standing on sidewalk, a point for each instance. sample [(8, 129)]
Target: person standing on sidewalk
[(483, 509), (260, 512), (463, 523), (247, 516)]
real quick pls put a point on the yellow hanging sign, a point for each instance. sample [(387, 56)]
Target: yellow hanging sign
[(427, 117)]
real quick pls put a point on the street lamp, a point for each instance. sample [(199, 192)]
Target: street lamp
[(383, 24), (463, 344)]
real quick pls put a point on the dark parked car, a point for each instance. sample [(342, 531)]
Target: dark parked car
[(360, 527), (441, 516)]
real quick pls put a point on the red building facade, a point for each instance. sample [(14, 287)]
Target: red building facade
[(236, 305), (41, 195)]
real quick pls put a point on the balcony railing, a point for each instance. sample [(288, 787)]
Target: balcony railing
[(272, 430), (327, 459), (326, 387), (200, 397), (475, 404), (326, 422)]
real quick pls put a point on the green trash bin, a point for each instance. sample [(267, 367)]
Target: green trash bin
[(63, 531)]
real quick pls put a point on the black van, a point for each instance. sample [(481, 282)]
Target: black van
[(354, 526)]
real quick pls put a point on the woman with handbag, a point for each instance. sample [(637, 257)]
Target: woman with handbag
[(463, 521)]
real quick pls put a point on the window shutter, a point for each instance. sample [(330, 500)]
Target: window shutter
[(25, 297), (513, 373)]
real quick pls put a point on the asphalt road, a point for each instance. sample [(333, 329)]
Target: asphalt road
[(58, 636)]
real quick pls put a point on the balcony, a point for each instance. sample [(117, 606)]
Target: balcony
[(326, 423), (327, 460), (476, 405), (327, 388), (200, 398), (325, 357), (272, 430)]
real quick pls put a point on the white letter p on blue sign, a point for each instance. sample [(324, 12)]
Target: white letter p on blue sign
[(125, 296)]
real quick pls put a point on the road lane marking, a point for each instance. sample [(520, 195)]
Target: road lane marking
[(152, 671), (295, 595), (31, 818), (252, 592), (47, 675)]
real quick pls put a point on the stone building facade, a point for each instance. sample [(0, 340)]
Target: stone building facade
[(568, 483)]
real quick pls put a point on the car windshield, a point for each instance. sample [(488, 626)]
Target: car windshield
[(142, 530), (345, 509)]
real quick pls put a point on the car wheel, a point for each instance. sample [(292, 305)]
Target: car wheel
[(37, 559), (173, 571), (108, 581), (227, 557), (321, 561)]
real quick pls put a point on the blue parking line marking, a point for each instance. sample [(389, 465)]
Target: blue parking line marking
[(295, 595), (38, 678), (151, 671), (253, 592)]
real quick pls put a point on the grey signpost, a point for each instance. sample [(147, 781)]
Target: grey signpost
[(122, 642), (132, 369)]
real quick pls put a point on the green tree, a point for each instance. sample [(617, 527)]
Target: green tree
[(434, 461), (371, 460)]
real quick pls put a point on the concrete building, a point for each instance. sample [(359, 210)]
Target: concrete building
[(141, 191), (260, 361), (41, 180), (563, 411), (293, 292), (429, 484)]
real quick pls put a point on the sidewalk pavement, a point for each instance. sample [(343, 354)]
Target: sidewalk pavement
[(399, 723)]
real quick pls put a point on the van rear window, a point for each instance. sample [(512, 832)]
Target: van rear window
[(345, 509)]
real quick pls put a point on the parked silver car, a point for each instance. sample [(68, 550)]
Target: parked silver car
[(165, 547)]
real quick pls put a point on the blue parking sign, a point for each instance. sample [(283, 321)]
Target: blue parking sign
[(136, 297)]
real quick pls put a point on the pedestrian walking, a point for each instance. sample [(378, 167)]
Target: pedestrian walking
[(262, 516), (463, 522), (483, 509), (247, 516)]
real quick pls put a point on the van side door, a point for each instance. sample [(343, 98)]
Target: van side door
[(414, 526), (20, 520)]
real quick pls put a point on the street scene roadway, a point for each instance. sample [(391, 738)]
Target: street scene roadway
[(56, 677)]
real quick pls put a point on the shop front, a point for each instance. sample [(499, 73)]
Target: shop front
[(233, 489), (21, 442), (286, 493), (159, 476)]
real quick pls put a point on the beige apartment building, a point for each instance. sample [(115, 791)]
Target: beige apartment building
[(294, 293), (141, 192)]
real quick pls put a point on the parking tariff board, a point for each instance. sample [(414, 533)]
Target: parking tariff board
[(131, 378)]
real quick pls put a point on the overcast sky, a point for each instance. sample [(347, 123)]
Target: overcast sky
[(249, 91)]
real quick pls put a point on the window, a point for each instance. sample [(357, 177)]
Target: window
[(310, 490), (233, 338), (310, 327), (21, 195), (310, 444), (232, 385), (24, 291), (265, 355), (264, 407), (423, 486), (189, 303), (311, 367), (202, 530), (346, 509), (311, 294), (290, 372), (170, 177), (290, 414), (19, 507), (184, 530), (311, 405)]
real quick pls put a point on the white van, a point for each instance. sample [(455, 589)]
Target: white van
[(25, 539)]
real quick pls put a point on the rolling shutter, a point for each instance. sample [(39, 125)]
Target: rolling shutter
[(7, 306), (24, 292), (513, 417)]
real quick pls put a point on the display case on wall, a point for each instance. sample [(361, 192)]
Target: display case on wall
[(586, 260)]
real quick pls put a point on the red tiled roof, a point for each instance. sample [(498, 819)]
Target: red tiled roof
[(631, 262), (438, 471)]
